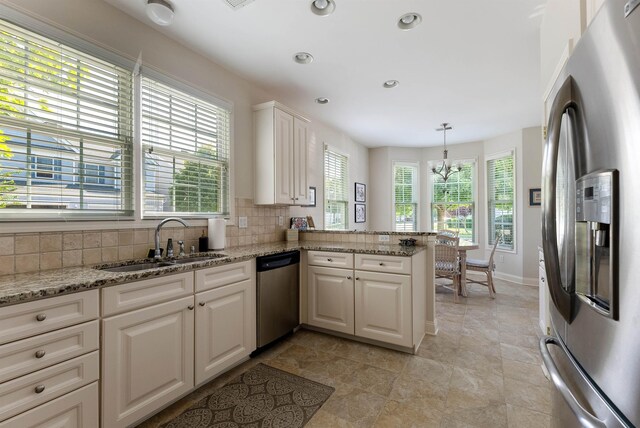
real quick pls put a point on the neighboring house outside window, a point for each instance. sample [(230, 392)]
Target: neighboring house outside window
[(59, 108), (186, 145), (336, 196), (453, 201), (501, 198), (405, 196)]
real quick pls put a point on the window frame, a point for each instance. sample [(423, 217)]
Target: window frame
[(326, 201), (416, 192), (489, 241), (474, 189), (139, 159)]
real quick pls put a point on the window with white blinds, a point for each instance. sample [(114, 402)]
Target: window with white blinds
[(501, 197), (336, 195), (186, 150), (65, 130), (453, 201), (405, 196)]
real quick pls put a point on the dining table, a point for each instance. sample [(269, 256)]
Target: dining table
[(464, 246)]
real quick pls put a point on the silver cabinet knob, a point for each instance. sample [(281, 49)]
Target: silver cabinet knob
[(202, 303), (329, 259), (190, 307), (40, 353), (348, 277), (41, 317), (381, 264), (542, 279), (39, 389), (357, 278)]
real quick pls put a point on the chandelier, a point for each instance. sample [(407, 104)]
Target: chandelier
[(445, 170)]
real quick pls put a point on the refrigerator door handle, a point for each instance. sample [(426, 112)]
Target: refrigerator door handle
[(564, 100), (584, 417)]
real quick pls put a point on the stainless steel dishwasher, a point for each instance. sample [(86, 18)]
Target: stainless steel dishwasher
[(278, 296)]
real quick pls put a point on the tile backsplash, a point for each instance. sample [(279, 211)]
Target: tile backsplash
[(31, 252)]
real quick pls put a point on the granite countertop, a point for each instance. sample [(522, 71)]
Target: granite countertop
[(30, 286)]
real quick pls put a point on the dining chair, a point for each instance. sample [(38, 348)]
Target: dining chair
[(485, 266), (447, 262), (449, 232)]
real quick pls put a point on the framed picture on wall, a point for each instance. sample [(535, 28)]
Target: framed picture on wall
[(312, 197), (361, 192), (361, 213), (535, 197)]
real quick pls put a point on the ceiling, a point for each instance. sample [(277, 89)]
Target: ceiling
[(473, 63)]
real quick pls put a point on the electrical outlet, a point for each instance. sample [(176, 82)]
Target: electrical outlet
[(242, 222), (280, 220), (383, 238), (500, 258)]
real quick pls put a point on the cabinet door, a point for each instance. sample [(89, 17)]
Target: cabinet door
[(147, 360), (301, 156), (330, 298), (225, 328), (383, 307), (284, 157)]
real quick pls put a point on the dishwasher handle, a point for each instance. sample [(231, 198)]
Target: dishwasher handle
[(275, 261)]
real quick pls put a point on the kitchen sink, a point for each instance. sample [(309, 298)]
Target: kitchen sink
[(164, 263)]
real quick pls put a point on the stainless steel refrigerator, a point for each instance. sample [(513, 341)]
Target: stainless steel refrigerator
[(591, 226)]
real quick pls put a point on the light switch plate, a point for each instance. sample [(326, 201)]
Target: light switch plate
[(242, 222), (383, 238), (280, 220)]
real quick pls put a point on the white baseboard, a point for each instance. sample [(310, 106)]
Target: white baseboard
[(431, 328), (516, 279)]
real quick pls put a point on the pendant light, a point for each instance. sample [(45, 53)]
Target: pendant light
[(445, 170)]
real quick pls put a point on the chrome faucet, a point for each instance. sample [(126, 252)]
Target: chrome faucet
[(157, 254)]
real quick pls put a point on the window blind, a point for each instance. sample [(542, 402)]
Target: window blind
[(335, 190), (405, 180), (452, 202), (65, 130), (501, 200), (186, 149)]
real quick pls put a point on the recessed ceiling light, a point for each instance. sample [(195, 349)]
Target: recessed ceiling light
[(390, 84), (303, 58), (409, 20), (160, 12), (322, 100), (323, 7)]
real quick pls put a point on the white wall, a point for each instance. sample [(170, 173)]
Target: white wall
[(104, 25)]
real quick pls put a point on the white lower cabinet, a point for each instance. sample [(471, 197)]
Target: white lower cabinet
[(330, 299), (78, 409), (147, 360), (383, 307), (225, 328)]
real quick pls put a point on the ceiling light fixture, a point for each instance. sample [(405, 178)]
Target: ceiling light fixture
[(303, 58), (322, 100), (445, 170), (323, 7), (160, 12), (390, 84), (409, 20)]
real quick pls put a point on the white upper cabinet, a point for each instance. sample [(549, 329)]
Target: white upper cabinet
[(281, 155)]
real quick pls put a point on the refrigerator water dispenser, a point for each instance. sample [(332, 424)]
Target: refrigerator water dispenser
[(596, 233)]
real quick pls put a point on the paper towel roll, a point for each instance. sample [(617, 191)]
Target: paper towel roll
[(217, 232)]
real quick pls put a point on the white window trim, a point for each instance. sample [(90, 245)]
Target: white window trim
[(473, 161), (57, 224), (324, 191), (152, 73), (492, 156), (416, 165)]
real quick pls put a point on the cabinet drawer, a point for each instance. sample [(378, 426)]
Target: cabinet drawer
[(28, 319), (135, 295), (218, 276), (76, 409), (28, 355), (330, 259), (22, 394), (386, 264)]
